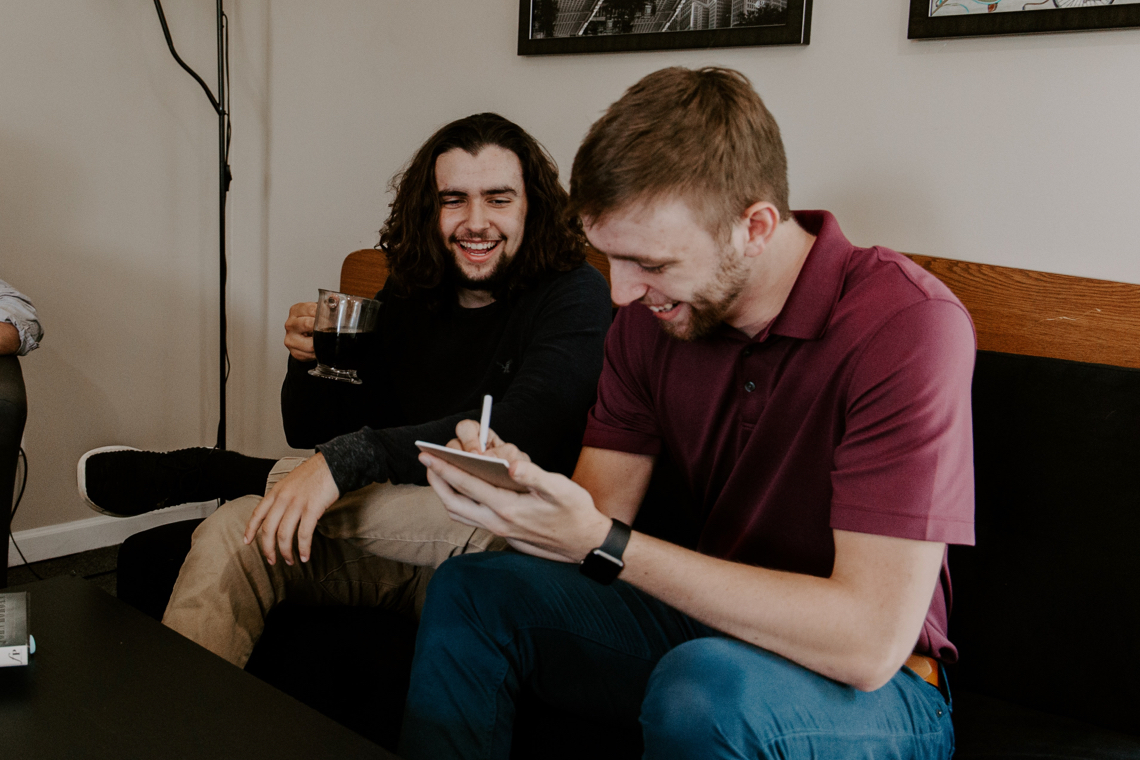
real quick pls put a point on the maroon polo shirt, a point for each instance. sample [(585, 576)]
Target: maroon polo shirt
[(851, 411)]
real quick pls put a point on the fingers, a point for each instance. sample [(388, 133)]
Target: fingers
[(507, 451), (305, 534), (448, 496), (460, 499), (301, 349), (467, 433), (286, 531), (550, 486), (299, 331), (467, 438), (256, 520), (304, 309), (267, 533), (493, 439)]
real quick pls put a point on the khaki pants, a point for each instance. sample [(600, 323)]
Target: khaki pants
[(375, 547)]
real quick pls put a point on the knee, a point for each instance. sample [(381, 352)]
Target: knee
[(693, 702), (484, 591), (467, 581), (226, 526)]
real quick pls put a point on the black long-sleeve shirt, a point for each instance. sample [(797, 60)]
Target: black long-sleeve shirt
[(538, 353)]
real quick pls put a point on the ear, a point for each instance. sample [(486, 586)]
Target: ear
[(760, 221)]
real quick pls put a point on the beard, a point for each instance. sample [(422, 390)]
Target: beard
[(711, 302), (489, 282)]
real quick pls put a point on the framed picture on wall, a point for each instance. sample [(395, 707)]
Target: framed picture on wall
[(974, 18), (606, 26)]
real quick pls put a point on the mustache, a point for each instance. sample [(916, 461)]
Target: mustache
[(474, 239)]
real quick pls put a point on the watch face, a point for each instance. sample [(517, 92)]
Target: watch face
[(601, 567)]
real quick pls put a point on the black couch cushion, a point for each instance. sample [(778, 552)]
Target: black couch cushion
[(990, 729), (13, 414), (148, 565), (1046, 607)]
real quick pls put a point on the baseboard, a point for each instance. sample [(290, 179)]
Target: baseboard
[(53, 541)]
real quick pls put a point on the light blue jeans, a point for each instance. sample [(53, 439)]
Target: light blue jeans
[(494, 622)]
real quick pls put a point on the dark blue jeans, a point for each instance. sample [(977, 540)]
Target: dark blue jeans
[(496, 621)]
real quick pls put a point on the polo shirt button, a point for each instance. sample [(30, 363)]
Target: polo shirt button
[(748, 352), (750, 386)]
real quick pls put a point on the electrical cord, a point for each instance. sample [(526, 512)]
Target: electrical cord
[(222, 108), (23, 457)]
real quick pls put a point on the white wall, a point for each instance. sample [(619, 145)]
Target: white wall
[(108, 221), (1020, 151)]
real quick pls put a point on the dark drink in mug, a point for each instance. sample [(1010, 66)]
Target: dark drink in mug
[(342, 334), (343, 350)]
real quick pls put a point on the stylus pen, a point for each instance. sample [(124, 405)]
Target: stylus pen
[(485, 423)]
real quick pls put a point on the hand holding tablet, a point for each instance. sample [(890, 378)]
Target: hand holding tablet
[(494, 470), (491, 469)]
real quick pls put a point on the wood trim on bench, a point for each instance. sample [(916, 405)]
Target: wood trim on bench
[(1019, 311), (1016, 311), (364, 272)]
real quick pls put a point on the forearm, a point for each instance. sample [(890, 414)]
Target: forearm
[(388, 454), (842, 627), (9, 339), (616, 480)]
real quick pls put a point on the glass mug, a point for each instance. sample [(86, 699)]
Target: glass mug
[(342, 334)]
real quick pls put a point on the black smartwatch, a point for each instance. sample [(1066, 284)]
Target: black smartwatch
[(604, 563)]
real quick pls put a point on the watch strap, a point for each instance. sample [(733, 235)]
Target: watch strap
[(616, 540)]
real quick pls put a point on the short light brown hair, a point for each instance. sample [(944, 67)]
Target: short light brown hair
[(702, 136)]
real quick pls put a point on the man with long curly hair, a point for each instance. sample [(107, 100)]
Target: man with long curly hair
[(487, 293)]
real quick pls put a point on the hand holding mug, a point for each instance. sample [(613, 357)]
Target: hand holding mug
[(342, 332), (299, 331)]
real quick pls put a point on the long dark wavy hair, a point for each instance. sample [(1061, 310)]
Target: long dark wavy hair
[(418, 261)]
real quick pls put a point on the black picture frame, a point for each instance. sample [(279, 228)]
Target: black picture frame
[(797, 31), (924, 26)]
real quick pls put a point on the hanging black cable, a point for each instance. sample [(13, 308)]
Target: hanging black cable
[(221, 105), (19, 497)]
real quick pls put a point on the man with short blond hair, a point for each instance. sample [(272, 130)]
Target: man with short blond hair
[(816, 399)]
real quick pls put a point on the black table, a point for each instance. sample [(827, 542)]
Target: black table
[(109, 682)]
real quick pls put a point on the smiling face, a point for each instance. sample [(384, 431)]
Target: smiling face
[(482, 216), (662, 257)]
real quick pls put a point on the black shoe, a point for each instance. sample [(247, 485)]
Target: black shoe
[(122, 481)]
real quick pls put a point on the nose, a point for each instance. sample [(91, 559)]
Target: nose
[(477, 220), (625, 286)]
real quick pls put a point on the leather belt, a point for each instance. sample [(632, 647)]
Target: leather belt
[(925, 667)]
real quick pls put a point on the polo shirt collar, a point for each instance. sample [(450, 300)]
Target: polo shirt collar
[(807, 312)]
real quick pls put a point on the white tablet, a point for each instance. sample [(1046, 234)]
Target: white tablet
[(491, 469)]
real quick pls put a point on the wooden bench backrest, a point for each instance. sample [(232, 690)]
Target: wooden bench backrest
[(1019, 311), (1015, 311)]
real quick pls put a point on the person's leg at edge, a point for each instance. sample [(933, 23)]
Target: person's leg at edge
[(723, 698), (496, 621)]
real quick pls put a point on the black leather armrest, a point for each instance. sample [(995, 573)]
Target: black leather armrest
[(13, 413)]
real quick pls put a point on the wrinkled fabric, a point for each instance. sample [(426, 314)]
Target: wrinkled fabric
[(17, 310)]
